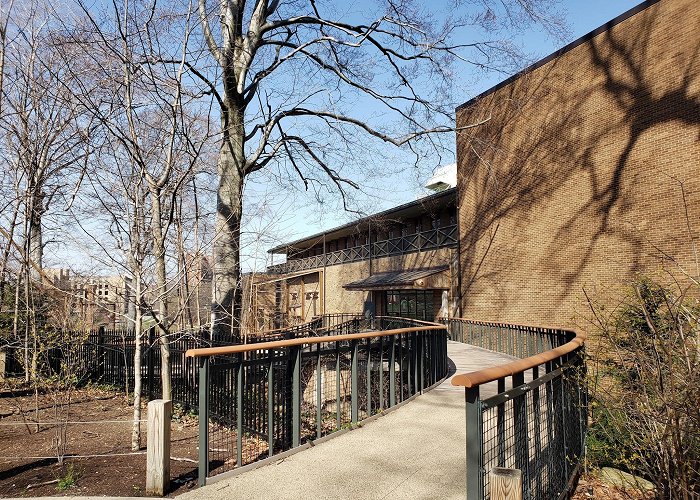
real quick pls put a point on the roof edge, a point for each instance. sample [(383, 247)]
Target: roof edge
[(425, 199), (563, 50)]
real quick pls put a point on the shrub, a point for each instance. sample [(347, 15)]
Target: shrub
[(646, 388)]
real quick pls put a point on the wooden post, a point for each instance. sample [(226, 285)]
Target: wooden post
[(158, 447), (505, 484)]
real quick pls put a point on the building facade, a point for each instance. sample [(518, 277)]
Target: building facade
[(94, 301), (586, 172), (398, 262)]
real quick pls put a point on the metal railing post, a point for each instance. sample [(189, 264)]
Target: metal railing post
[(501, 425), (338, 419), (353, 381), (537, 423), (402, 364), (295, 353), (475, 479), (239, 412), (319, 414), (392, 371), (443, 355), (413, 388), (420, 348), (270, 407), (429, 343), (203, 422), (381, 373), (368, 385), (556, 423), (522, 453)]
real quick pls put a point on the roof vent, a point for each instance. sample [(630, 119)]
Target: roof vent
[(444, 177)]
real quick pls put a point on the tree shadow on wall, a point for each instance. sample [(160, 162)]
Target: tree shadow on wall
[(630, 81), (504, 182), (545, 135)]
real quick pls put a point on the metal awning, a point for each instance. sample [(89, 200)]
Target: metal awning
[(395, 279)]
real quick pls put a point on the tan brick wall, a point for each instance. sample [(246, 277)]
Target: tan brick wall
[(574, 183), (337, 299), (340, 300)]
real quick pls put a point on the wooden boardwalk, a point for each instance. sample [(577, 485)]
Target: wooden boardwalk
[(415, 451)]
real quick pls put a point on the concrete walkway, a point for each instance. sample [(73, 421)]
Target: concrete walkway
[(416, 451)]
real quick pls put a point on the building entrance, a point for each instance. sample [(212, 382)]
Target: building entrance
[(416, 304)]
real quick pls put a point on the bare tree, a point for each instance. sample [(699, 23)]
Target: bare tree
[(287, 77), (145, 108), (46, 138), (117, 196)]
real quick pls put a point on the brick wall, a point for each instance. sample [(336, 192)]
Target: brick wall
[(340, 300), (577, 180), (337, 298)]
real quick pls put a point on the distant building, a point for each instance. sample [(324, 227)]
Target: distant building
[(397, 262), (97, 301)]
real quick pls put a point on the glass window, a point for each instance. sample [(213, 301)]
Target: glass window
[(417, 304)]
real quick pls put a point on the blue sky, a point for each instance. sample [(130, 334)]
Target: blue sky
[(292, 215), (278, 210)]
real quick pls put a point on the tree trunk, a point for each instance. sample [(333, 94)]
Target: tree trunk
[(136, 428), (8, 248), (183, 288), (161, 290), (226, 292), (35, 247), (198, 265), (15, 323)]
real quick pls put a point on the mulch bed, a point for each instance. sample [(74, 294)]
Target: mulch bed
[(26, 469)]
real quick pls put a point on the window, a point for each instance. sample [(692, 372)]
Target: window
[(417, 304)]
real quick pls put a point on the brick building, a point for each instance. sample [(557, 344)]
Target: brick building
[(397, 262), (94, 301), (586, 172)]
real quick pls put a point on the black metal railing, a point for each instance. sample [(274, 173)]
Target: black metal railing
[(424, 240), (107, 356), (326, 324), (535, 419), (259, 400)]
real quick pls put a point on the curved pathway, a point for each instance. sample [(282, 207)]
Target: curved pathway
[(416, 451)]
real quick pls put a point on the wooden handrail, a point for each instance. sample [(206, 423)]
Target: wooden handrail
[(420, 321), (241, 348), (477, 378), (299, 326)]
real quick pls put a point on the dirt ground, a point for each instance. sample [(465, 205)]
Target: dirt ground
[(28, 466)]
